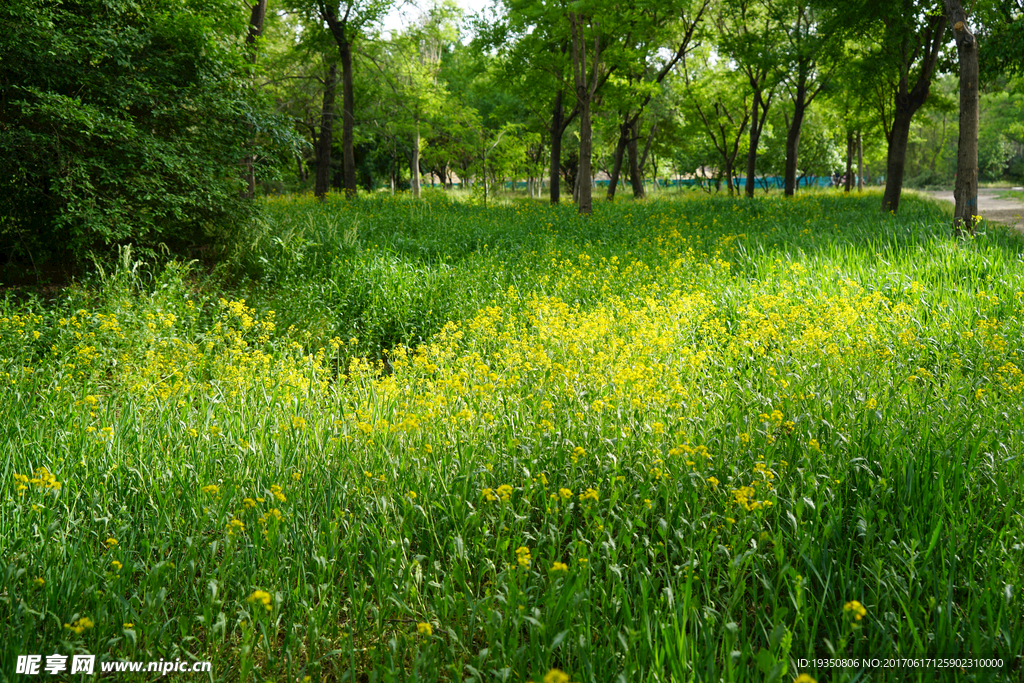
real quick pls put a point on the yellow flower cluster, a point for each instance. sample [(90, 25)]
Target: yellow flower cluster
[(80, 625), (261, 597), (744, 497), (271, 514), (855, 609), (42, 479), (523, 556), (503, 494)]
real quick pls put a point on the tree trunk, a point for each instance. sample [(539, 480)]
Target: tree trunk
[(620, 150), (755, 136), (324, 143), (557, 115), (634, 162), (647, 149), (966, 189), (906, 103), (585, 200), (793, 141), (414, 165), (394, 169), (586, 85), (848, 182), (256, 16), (896, 160), (348, 120), (860, 163)]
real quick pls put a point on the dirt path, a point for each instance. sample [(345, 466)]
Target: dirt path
[(1006, 211)]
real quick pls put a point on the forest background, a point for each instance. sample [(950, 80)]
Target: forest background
[(156, 123)]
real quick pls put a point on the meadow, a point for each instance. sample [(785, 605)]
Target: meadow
[(692, 439)]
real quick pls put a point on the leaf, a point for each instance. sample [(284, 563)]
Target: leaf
[(557, 640)]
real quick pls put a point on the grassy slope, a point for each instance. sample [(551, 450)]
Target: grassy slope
[(676, 439)]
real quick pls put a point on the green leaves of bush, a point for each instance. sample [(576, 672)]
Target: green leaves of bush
[(119, 122)]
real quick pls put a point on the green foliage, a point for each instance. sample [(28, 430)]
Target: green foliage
[(1001, 36), (120, 123)]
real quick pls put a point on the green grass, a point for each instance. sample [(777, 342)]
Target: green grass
[(684, 439)]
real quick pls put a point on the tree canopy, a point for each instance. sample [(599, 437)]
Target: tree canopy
[(123, 121), (153, 122)]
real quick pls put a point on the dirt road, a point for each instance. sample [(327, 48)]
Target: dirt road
[(1006, 211)]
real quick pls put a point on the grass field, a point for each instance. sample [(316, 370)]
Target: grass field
[(689, 439)]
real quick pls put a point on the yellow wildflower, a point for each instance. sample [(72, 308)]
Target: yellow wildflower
[(261, 597), (424, 629), (556, 676), (856, 609), (80, 625)]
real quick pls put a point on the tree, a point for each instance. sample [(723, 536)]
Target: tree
[(533, 43), (648, 29), (325, 141), (966, 190), (747, 30), (910, 47), (408, 64), (105, 125), (257, 15), (347, 20), (587, 76), (1000, 28), (723, 114), (812, 51)]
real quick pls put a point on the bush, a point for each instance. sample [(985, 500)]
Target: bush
[(119, 123)]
